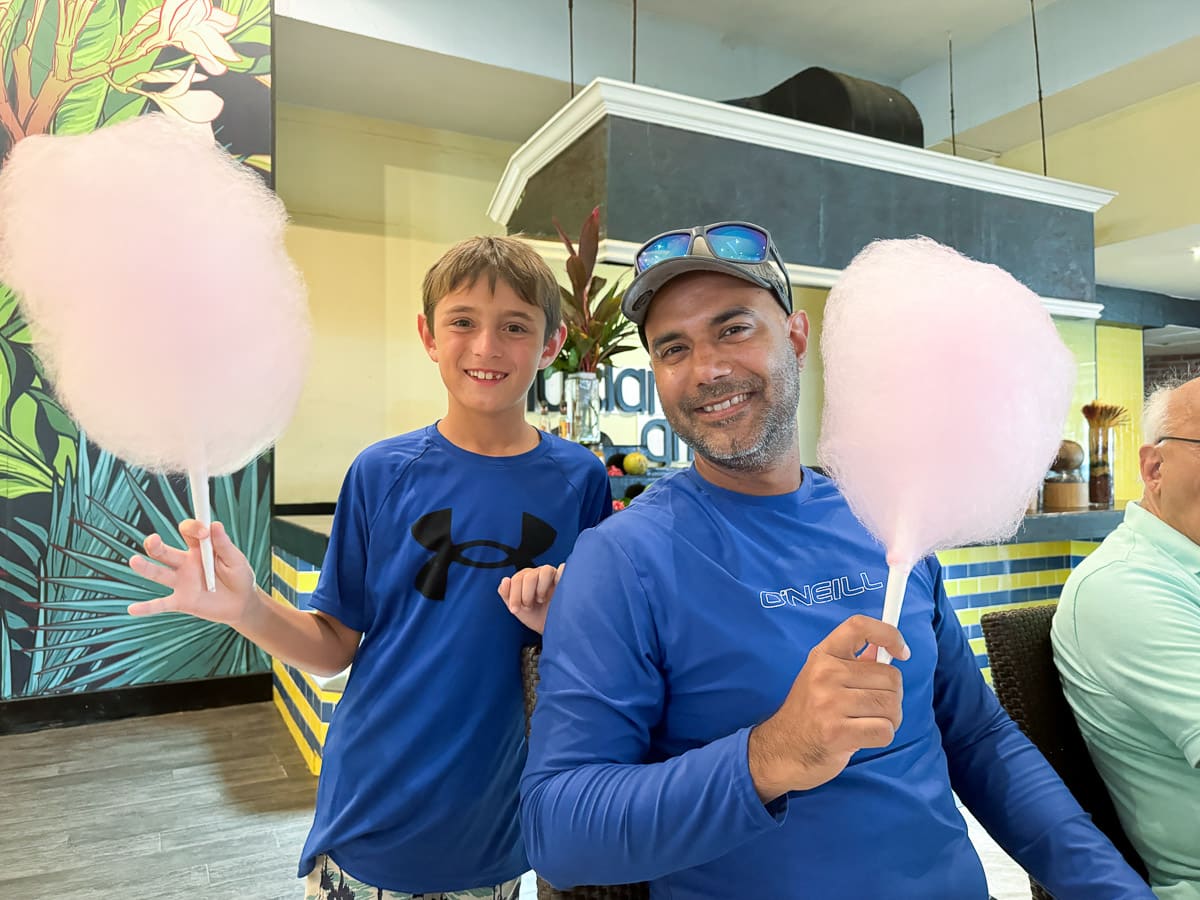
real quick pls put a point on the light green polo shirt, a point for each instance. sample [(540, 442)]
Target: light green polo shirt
[(1127, 643)]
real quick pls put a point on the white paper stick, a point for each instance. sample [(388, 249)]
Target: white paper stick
[(893, 600), (198, 481)]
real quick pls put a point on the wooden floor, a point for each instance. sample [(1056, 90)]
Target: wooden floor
[(210, 805)]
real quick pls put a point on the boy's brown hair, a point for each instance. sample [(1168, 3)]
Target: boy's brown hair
[(499, 258)]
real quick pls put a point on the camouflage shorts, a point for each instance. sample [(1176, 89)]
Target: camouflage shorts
[(327, 881)]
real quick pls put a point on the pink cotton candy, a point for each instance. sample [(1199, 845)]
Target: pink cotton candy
[(151, 268), (946, 391)]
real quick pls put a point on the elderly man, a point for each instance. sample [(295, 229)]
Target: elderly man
[(1127, 643), (711, 715)]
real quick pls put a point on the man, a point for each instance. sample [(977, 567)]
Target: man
[(711, 717), (1127, 644)]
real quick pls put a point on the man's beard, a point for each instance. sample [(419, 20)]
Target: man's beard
[(775, 435)]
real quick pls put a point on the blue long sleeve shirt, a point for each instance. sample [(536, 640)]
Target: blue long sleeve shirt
[(679, 625)]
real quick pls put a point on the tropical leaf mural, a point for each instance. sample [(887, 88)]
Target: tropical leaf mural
[(72, 66), (82, 636), (70, 514), (37, 438)]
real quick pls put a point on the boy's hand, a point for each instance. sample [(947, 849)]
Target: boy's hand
[(183, 572), (527, 594)]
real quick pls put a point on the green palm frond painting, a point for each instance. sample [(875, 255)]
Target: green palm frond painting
[(83, 639), (37, 437)]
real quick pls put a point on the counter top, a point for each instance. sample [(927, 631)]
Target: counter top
[(1082, 525), (304, 536)]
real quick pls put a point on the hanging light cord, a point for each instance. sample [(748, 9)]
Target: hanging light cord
[(1037, 59), (634, 78), (953, 136)]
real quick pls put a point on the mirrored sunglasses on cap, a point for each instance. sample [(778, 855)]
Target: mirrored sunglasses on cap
[(736, 242)]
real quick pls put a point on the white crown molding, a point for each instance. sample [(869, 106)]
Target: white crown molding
[(621, 253), (604, 97), (1072, 309)]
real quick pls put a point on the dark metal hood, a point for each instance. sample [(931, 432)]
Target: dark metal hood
[(654, 160)]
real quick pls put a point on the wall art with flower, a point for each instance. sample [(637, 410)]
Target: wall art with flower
[(70, 514)]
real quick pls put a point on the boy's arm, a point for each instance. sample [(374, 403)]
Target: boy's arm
[(322, 642), (315, 642), (597, 496), (1008, 785), (527, 594)]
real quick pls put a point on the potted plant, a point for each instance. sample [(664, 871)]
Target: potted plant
[(596, 329)]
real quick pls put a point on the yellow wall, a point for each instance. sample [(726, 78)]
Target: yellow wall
[(373, 205), (1079, 335), (1119, 380), (1110, 371), (812, 380), (1146, 152)]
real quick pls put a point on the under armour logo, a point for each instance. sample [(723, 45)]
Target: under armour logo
[(432, 532)]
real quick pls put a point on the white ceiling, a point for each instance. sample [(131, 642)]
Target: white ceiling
[(330, 69), (878, 39), (1148, 77), (1171, 341), (1163, 263), (324, 67), (327, 68)]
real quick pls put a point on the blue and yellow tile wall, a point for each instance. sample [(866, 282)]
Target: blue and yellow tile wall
[(978, 580), (306, 707), (988, 579)]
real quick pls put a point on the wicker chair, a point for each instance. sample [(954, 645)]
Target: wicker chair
[(546, 891), (1027, 685)]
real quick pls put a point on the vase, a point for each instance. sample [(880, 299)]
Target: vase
[(582, 392), (1100, 479)]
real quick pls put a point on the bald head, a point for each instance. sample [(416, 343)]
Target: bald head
[(1170, 457), (1171, 407)]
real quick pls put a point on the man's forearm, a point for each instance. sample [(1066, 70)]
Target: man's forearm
[(613, 824)]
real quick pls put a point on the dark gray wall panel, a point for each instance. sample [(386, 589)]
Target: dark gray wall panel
[(651, 177)]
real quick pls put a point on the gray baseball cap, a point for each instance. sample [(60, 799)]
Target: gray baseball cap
[(768, 275)]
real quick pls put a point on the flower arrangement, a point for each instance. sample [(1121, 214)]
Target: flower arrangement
[(596, 327)]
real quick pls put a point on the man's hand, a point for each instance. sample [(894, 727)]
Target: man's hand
[(527, 594), (842, 701)]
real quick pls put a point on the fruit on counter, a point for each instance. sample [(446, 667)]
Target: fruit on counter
[(1070, 457), (615, 470), (618, 505), (636, 464)]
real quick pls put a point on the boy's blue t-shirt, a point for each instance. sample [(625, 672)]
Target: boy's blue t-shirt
[(420, 770)]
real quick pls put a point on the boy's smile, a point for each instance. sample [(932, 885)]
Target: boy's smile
[(486, 375), (489, 345)]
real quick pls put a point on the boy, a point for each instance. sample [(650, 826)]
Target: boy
[(418, 788)]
